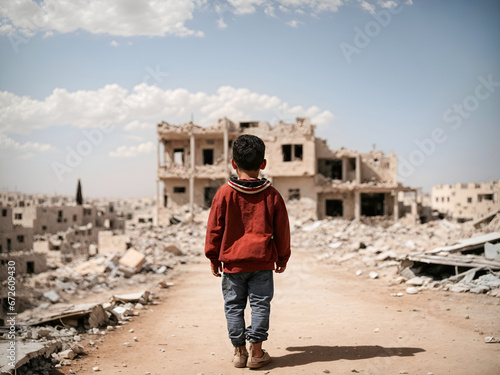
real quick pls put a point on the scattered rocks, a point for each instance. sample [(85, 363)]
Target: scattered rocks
[(492, 339)]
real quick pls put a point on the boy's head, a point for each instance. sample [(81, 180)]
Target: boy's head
[(248, 152)]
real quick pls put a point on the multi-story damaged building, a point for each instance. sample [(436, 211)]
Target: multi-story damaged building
[(16, 244), (75, 227), (466, 201), (194, 161)]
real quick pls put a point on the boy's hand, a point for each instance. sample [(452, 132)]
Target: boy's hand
[(216, 269), (280, 269)]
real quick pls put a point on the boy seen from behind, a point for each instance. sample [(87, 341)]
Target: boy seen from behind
[(248, 236)]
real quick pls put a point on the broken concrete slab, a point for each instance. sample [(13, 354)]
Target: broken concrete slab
[(132, 260), (477, 223), (139, 297), (95, 312), (468, 244), (90, 268), (24, 353), (173, 248), (52, 296), (468, 261), (109, 243), (492, 251)]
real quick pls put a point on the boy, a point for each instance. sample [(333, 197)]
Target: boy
[(247, 235)]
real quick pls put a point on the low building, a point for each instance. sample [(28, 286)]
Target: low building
[(194, 161), (466, 201)]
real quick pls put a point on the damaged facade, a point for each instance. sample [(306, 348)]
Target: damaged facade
[(466, 201), (31, 225), (341, 183)]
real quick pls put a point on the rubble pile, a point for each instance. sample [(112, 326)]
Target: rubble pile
[(55, 338), (156, 252), (380, 248), (57, 329)]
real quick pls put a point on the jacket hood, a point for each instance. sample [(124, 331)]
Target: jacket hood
[(249, 186)]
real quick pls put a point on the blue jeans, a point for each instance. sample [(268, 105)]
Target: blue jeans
[(256, 286)]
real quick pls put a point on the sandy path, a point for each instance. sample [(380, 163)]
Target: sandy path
[(323, 319)]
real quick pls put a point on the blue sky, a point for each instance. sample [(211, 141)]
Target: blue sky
[(420, 78)]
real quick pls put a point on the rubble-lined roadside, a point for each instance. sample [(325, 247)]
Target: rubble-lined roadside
[(58, 327), (56, 323), (380, 248)]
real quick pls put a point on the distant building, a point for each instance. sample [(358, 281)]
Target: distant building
[(24, 216), (194, 161), (466, 201)]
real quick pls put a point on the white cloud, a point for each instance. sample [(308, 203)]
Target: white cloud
[(368, 7), (269, 11), (388, 4), (132, 151), (284, 9), (409, 2), (114, 17), (221, 24), (317, 6), (133, 137), (7, 143), (141, 108), (114, 43), (245, 6), (293, 23), (134, 125), (146, 17)]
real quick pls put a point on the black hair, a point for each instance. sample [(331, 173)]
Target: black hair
[(248, 152)]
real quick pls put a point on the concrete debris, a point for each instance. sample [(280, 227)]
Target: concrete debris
[(416, 281), (492, 339), (132, 261), (148, 255), (140, 297), (90, 268), (411, 290), (94, 313), (25, 352), (174, 249), (52, 296), (165, 284), (492, 251), (67, 354)]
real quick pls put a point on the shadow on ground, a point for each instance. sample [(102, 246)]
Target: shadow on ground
[(304, 355)]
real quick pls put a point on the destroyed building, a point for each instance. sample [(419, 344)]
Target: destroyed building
[(16, 243), (52, 223), (466, 201), (194, 161)]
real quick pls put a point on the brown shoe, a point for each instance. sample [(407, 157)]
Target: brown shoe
[(240, 357), (254, 362)]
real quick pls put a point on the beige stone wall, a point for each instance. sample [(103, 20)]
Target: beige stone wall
[(275, 158), (199, 189), (13, 237), (215, 144), (20, 239), (108, 243), (176, 199), (375, 166), (304, 184), (347, 199), (466, 200), (24, 261), (28, 216)]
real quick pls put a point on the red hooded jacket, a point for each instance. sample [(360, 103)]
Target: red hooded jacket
[(248, 227)]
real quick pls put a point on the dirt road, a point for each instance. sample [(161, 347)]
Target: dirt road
[(324, 320)]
